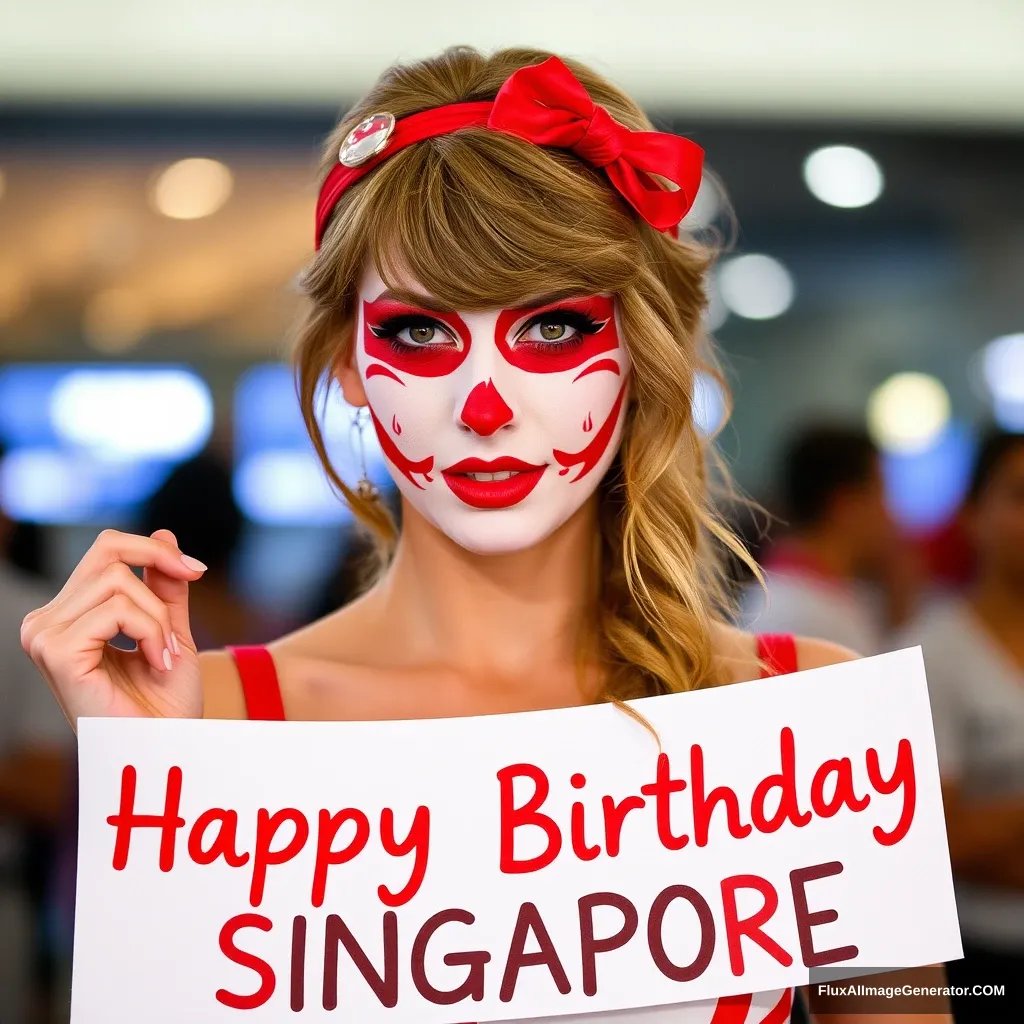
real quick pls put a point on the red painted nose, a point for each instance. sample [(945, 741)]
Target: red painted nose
[(485, 410)]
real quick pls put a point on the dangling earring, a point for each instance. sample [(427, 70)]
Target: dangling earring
[(365, 488)]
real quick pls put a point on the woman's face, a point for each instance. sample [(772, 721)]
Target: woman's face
[(497, 426)]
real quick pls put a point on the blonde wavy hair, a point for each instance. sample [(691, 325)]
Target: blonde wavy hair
[(483, 220)]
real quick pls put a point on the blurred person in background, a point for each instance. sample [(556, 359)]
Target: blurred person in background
[(197, 504), (842, 571), (974, 652), (36, 746)]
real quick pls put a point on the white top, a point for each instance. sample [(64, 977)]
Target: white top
[(805, 604), (29, 715), (977, 698)]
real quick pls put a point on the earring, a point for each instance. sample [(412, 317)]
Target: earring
[(365, 488)]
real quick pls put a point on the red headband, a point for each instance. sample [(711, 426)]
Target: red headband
[(547, 105)]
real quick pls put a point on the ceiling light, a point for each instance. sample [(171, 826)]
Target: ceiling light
[(843, 176), (192, 188), (908, 413), (756, 286)]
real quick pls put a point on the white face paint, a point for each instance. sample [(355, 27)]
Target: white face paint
[(497, 426)]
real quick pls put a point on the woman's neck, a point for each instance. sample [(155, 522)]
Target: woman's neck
[(503, 616)]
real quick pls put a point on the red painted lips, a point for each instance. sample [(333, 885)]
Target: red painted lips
[(491, 494)]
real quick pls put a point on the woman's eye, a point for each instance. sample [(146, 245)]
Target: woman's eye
[(548, 330), (423, 334)]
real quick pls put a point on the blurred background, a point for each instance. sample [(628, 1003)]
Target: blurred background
[(156, 205)]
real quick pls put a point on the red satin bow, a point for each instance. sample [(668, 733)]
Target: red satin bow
[(547, 105)]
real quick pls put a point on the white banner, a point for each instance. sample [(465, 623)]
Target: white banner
[(512, 866)]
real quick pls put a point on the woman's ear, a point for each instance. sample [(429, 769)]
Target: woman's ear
[(348, 378)]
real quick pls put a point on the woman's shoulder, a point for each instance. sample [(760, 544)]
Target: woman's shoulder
[(738, 653)]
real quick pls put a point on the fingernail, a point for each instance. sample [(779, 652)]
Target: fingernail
[(175, 646), (193, 563), (168, 664)]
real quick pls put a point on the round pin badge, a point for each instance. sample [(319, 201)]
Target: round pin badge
[(367, 139)]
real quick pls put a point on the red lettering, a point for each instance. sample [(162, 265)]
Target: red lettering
[(703, 806), (735, 928), (126, 819), (513, 817), (902, 778), (326, 857), (579, 839), (268, 981), (844, 794), (265, 856), (416, 842), (805, 920), (662, 789), (472, 987), (785, 782), (591, 946), (384, 987), (529, 920), (614, 816), (223, 844), (655, 933)]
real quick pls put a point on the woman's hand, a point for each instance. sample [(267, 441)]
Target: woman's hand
[(68, 639)]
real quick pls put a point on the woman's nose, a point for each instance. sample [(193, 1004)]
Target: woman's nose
[(485, 411)]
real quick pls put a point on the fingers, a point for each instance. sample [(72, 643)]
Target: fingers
[(115, 579), (93, 630), (173, 592), (113, 546)]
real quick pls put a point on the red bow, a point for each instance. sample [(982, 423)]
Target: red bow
[(547, 105)]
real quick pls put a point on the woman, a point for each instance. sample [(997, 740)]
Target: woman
[(498, 282), (974, 650)]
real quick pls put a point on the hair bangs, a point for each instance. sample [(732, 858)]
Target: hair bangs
[(482, 220)]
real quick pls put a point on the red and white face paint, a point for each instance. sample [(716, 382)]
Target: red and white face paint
[(497, 426)]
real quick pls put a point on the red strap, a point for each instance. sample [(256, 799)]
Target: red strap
[(777, 654), (259, 683)]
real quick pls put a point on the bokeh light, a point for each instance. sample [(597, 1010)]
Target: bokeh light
[(908, 412), (843, 176), (756, 286), (192, 188), (1002, 366), (709, 404), (133, 413)]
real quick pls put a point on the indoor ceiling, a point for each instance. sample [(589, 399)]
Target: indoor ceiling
[(950, 61)]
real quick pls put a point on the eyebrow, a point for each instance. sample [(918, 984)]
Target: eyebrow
[(427, 302)]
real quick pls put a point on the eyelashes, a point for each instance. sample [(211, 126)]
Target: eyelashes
[(547, 332), (414, 332), (580, 323)]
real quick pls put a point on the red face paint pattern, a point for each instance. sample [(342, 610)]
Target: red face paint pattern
[(601, 364), (433, 360), (394, 455), (590, 456), (376, 370), (556, 357)]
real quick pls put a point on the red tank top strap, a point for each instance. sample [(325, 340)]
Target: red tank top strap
[(777, 654), (259, 683)]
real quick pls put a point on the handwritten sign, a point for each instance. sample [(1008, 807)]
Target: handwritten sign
[(512, 866)]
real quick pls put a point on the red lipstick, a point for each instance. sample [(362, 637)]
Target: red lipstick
[(490, 493)]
